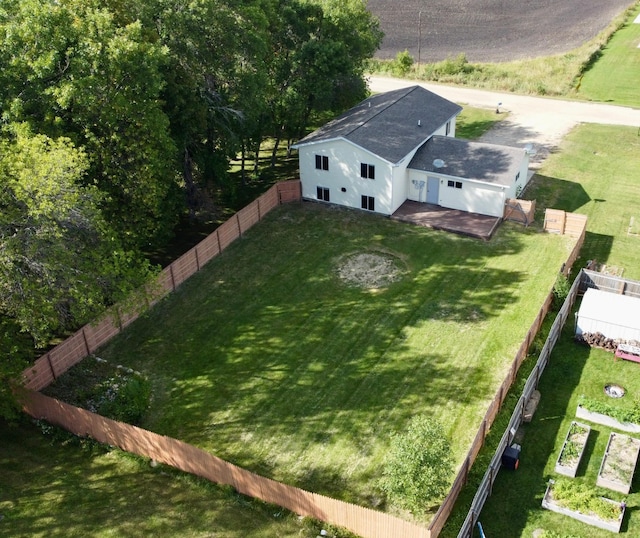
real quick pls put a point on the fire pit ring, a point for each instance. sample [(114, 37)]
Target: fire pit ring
[(614, 391)]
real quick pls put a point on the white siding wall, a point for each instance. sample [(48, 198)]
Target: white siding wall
[(473, 197), (414, 192), (512, 191), (344, 173)]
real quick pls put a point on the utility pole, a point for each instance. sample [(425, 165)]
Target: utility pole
[(419, 34)]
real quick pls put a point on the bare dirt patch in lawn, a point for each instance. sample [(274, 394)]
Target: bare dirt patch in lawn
[(369, 270)]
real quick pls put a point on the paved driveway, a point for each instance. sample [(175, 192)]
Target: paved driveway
[(540, 121)]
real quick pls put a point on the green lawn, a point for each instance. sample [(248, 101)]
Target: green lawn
[(267, 359), (61, 490), (595, 173), (614, 76)]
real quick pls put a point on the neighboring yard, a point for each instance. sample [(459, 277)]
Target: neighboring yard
[(56, 490), (268, 359), (614, 76), (595, 173)]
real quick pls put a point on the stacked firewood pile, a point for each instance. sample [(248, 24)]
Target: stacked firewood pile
[(601, 341)]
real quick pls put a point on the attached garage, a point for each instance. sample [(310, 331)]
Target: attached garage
[(613, 315)]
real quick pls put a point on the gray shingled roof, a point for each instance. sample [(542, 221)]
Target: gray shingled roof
[(386, 124), (470, 160)]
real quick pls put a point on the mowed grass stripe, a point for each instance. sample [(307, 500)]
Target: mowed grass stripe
[(614, 76), (267, 359)]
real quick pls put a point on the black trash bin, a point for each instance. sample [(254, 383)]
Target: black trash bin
[(511, 457)]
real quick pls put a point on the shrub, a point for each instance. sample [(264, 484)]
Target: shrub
[(419, 465), (402, 63), (561, 290), (452, 66), (123, 397)]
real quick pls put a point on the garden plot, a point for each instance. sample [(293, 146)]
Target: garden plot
[(572, 449), (619, 463)]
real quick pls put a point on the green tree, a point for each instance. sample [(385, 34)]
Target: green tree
[(419, 466), (60, 261), (70, 70)]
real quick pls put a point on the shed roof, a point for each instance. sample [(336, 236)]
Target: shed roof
[(612, 308), (390, 124), (470, 160)]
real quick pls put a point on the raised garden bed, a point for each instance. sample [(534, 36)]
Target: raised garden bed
[(600, 418), (576, 501), (572, 450), (619, 463)]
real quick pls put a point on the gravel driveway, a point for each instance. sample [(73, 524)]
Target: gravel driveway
[(490, 30), (540, 121)]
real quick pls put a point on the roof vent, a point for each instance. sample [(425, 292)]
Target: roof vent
[(438, 163), (419, 123)]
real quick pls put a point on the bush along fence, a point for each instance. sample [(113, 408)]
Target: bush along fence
[(484, 489), (92, 336)]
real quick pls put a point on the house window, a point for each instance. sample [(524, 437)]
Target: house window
[(322, 162), (517, 176), (367, 171), (323, 194), (454, 184), (448, 129), (450, 183), (368, 202)]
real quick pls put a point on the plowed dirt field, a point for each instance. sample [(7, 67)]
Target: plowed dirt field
[(490, 30)]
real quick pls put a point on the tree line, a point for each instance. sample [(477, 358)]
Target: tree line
[(117, 115)]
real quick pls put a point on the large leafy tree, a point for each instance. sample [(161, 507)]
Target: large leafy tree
[(60, 261), (70, 69)]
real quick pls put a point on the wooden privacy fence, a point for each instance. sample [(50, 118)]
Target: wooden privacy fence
[(188, 458), (563, 223), (92, 336), (610, 283), (522, 211), (362, 521), (438, 522)]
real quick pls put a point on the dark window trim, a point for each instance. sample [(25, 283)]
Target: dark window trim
[(367, 171), (322, 193), (322, 162), (367, 202)]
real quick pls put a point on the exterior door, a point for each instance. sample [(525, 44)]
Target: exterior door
[(433, 188)]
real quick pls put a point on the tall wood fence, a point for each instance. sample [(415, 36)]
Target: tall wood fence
[(446, 508), (563, 223), (522, 211), (362, 521), (609, 283), (92, 336)]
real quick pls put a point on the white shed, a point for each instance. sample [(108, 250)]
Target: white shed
[(613, 315)]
